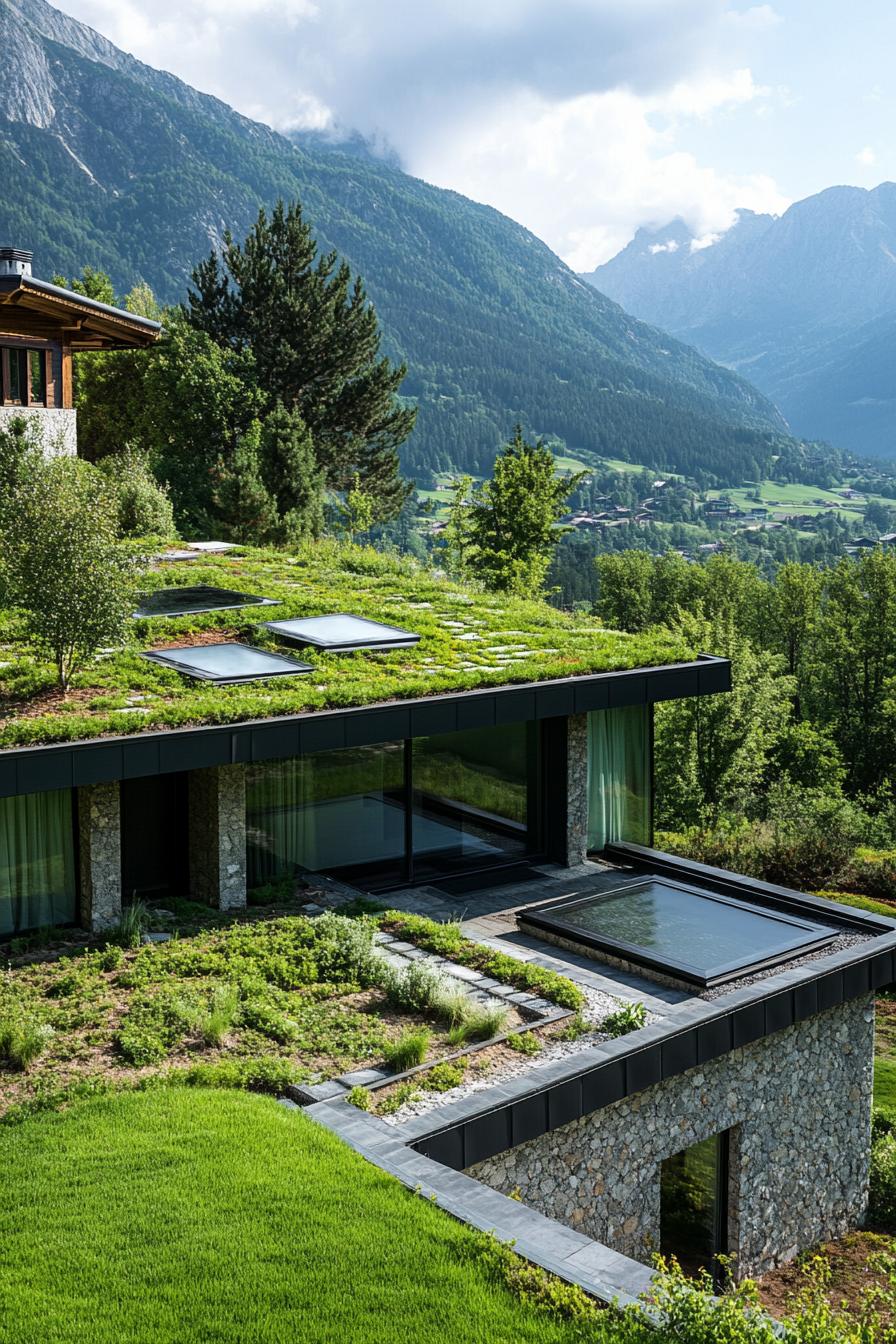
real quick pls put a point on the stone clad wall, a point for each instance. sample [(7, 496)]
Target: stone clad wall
[(99, 855), (58, 426), (217, 821), (576, 789), (798, 1104)]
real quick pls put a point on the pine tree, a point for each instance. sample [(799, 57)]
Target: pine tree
[(315, 341), (245, 509), (514, 517), (291, 474)]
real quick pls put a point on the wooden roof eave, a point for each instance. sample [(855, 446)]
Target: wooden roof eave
[(80, 325)]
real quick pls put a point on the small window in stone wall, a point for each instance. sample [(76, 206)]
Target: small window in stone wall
[(694, 1206)]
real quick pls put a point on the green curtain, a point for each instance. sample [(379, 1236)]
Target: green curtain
[(38, 885), (275, 819), (618, 776)]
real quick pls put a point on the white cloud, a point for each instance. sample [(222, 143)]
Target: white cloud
[(571, 117), (671, 246), (583, 173), (757, 19), (866, 157)]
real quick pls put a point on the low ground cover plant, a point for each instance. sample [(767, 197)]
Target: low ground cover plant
[(255, 1003), (631, 1017), (446, 940), (248, 1002)]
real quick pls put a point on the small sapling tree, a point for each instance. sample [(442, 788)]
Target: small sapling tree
[(63, 565)]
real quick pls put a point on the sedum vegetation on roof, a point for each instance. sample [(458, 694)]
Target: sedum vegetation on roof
[(469, 640)]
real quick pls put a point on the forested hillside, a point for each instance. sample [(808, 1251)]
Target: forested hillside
[(107, 162)]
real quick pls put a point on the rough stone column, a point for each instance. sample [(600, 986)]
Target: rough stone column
[(99, 850), (217, 805), (576, 789)]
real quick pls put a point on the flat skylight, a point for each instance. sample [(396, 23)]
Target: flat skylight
[(213, 547), (193, 600), (227, 663), (341, 633), (689, 933)]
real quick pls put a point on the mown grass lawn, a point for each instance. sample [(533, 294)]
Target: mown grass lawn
[(185, 1216)]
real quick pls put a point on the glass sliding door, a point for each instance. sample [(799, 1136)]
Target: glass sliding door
[(337, 811), (38, 882), (396, 812), (619, 776), (694, 1206), (475, 798)]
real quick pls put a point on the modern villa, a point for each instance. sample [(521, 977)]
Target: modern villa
[(336, 721)]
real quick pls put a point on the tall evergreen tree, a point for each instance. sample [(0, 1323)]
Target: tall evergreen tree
[(315, 339), (514, 517)]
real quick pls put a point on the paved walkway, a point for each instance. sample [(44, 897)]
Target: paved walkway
[(488, 915)]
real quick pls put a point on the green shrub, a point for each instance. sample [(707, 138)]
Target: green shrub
[(264, 1012), (156, 1023), (110, 958), (577, 1026), (442, 1077), (344, 949), (360, 1097), (486, 1020), (272, 893), (135, 920), (142, 504), (397, 1098), (22, 1039), (524, 1042), (415, 988), (262, 1074), (409, 1050), (220, 1014), (631, 1017), (882, 1178)]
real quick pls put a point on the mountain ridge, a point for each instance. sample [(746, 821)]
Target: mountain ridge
[(787, 301), (111, 163)]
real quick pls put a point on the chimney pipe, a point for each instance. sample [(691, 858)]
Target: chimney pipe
[(13, 261)]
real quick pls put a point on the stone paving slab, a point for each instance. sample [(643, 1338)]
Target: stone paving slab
[(570, 1255), (362, 1077)]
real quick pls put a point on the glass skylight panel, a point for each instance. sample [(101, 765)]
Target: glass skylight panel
[(690, 933), (192, 601), (213, 547), (342, 633), (227, 663)]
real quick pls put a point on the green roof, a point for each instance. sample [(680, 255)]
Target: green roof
[(468, 640)]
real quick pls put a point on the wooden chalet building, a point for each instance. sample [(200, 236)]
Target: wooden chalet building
[(41, 326)]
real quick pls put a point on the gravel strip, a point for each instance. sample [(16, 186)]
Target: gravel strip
[(742, 981), (598, 1006)]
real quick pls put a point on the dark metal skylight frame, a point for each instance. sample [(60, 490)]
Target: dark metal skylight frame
[(807, 936), (202, 600), (311, 631), (267, 663)]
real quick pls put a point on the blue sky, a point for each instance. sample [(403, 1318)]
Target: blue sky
[(583, 119)]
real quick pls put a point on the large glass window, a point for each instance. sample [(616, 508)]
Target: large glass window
[(331, 810), (38, 885), (473, 797), (37, 377), (694, 1205), (619, 770), (15, 362)]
